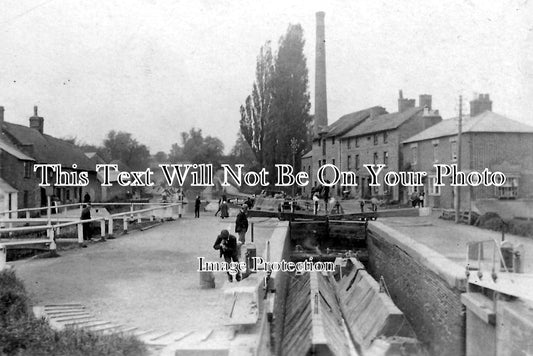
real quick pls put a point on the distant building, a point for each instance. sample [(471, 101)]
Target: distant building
[(489, 140), (370, 136), (38, 147)]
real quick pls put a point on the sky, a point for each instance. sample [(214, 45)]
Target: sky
[(157, 68)]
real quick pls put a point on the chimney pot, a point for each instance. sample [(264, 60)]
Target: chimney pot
[(37, 122), (1, 118)]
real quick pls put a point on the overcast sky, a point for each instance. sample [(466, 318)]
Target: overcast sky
[(156, 68)]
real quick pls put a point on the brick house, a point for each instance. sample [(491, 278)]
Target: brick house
[(489, 140), (369, 136), (45, 149)]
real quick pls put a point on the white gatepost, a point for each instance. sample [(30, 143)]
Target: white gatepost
[(125, 226), (3, 256), (80, 233), (102, 228), (110, 228)]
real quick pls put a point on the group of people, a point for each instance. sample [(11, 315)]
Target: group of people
[(417, 199)]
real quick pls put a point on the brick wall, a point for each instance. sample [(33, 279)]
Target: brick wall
[(431, 305)]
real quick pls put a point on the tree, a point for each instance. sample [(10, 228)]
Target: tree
[(243, 153), (290, 101), (256, 110), (121, 146), (197, 149)]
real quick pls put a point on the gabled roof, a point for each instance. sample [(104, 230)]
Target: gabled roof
[(349, 121), (487, 121), (12, 150), (6, 188), (48, 149), (383, 122), (308, 154)]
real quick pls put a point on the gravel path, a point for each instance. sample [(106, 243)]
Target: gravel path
[(144, 279)]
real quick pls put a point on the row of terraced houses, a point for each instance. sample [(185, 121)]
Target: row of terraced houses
[(414, 138), (21, 147)]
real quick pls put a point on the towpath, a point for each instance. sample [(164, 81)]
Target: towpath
[(144, 279)]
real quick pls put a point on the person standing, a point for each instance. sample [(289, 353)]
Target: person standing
[(315, 203), (224, 210), (86, 215), (421, 199), (325, 193), (374, 201), (227, 245), (241, 224), (197, 204), (87, 198), (362, 205)]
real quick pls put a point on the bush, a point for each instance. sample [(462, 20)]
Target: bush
[(492, 221), (22, 334)]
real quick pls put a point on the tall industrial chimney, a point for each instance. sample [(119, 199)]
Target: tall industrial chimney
[(321, 99)]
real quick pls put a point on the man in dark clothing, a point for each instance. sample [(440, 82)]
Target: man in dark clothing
[(227, 245), (325, 194), (249, 203), (241, 224), (86, 215), (197, 204), (87, 198)]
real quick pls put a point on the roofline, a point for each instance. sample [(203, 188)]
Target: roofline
[(465, 133)]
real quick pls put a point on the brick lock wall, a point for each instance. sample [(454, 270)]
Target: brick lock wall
[(432, 307)]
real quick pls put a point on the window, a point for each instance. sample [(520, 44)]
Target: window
[(333, 161), (375, 157), (26, 199), (333, 140), (27, 169), (349, 143), (433, 189), (435, 151), (357, 142), (319, 143), (385, 137), (319, 163), (386, 158), (414, 154), (375, 139), (324, 148), (348, 162), (356, 162), (323, 161), (510, 189), (453, 145)]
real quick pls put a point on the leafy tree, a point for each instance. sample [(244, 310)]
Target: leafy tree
[(290, 105), (161, 156), (122, 146), (276, 114), (243, 153), (255, 112), (197, 149)]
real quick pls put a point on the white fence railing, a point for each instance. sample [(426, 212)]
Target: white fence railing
[(54, 226)]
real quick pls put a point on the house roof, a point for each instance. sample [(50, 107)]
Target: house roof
[(308, 154), (5, 146), (48, 149), (347, 122), (383, 122), (6, 188), (487, 121)]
